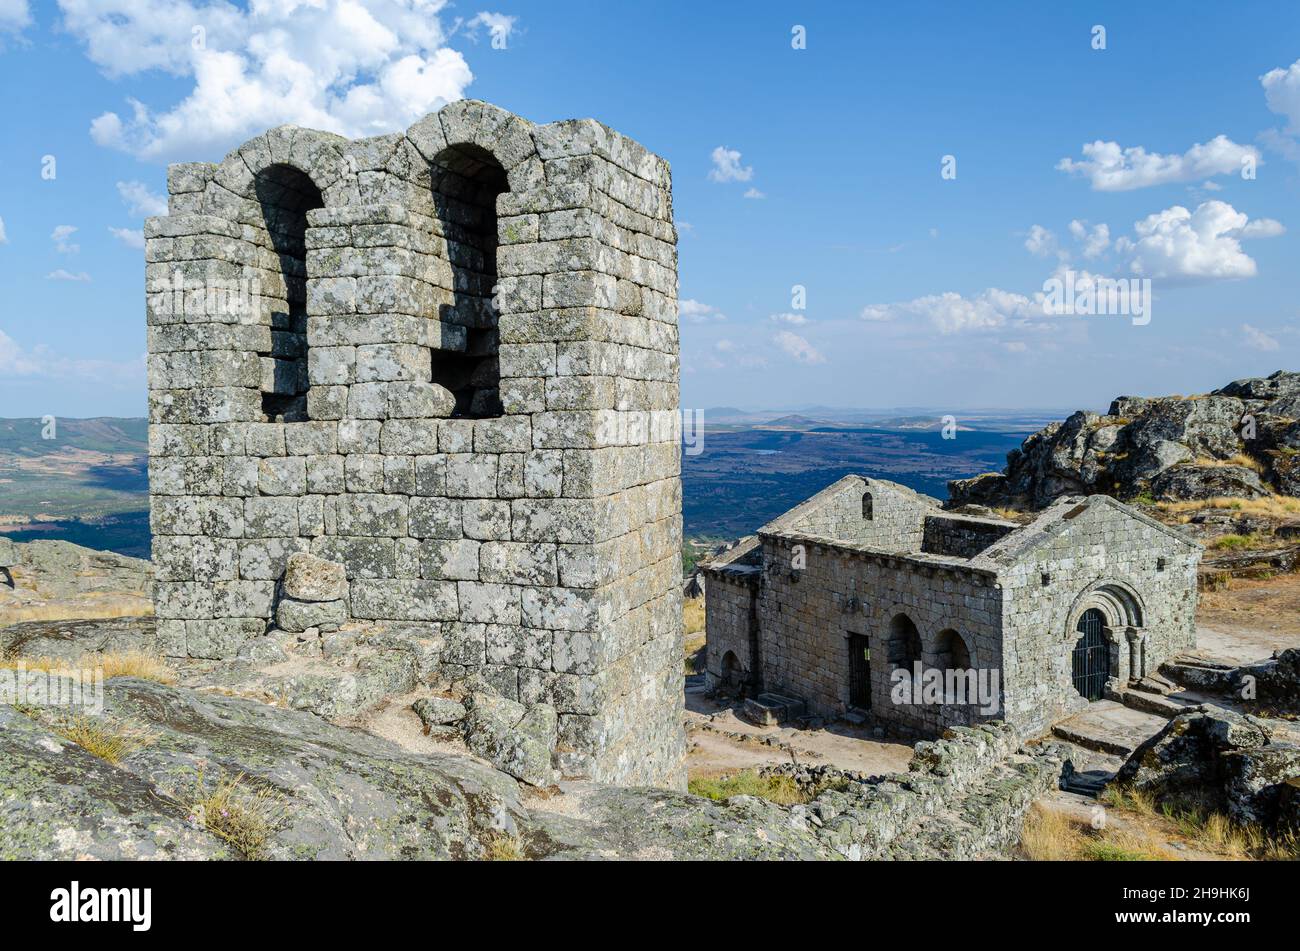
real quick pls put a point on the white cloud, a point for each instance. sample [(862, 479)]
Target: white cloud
[(14, 15), (339, 65), (1095, 240), (794, 319), (1262, 228), (131, 238), (685, 227), (1200, 245), (1282, 95), (754, 193), (41, 361), (62, 275), (1111, 168), (1015, 346), (60, 236), (499, 27), (951, 313), (699, 313), (13, 361), (4, 238), (1256, 339), (797, 347), (727, 167), (1040, 242), (141, 202)]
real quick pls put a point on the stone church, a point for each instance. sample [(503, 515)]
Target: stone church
[(445, 361), (870, 600)]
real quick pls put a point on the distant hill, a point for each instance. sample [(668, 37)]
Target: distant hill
[(88, 484), (793, 422), (100, 434)]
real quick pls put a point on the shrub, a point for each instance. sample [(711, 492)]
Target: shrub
[(239, 816)]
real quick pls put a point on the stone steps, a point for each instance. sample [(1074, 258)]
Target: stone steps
[(1092, 740), (1160, 705)]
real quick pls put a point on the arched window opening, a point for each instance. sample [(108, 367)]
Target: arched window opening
[(951, 652), (466, 181), (866, 506), (904, 642), (286, 195)]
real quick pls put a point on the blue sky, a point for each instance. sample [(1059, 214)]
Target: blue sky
[(920, 290)]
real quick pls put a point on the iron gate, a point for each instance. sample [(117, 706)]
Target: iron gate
[(1091, 657), (859, 671)]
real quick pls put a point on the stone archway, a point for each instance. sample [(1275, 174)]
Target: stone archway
[(1111, 614)]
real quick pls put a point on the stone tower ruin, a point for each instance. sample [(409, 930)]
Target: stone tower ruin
[(447, 360)]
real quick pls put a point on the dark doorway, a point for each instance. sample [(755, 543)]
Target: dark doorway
[(1090, 660), (859, 671), (732, 678)]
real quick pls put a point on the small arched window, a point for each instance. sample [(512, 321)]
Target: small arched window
[(904, 645), (466, 181), (285, 195), (951, 652), (866, 506)]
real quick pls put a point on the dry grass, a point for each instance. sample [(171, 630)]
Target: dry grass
[(82, 608), (239, 816), (1272, 506), (1052, 836), (506, 848), (122, 664), (693, 624), (693, 615), (1012, 514), (110, 739), (1240, 459), (1237, 542), (782, 790), (1145, 831), (1130, 800), (1215, 832)]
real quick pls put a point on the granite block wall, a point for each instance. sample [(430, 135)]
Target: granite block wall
[(806, 617), (447, 359), (961, 536), (1141, 578), (870, 512)]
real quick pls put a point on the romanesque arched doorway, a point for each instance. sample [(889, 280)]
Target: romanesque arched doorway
[(1090, 660)]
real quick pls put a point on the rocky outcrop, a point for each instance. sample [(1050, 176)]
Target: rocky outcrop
[(56, 580), (1172, 448), (1273, 684), (305, 789), (1219, 761)]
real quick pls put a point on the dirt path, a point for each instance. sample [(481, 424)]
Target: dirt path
[(722, 742), (1249, 620)]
